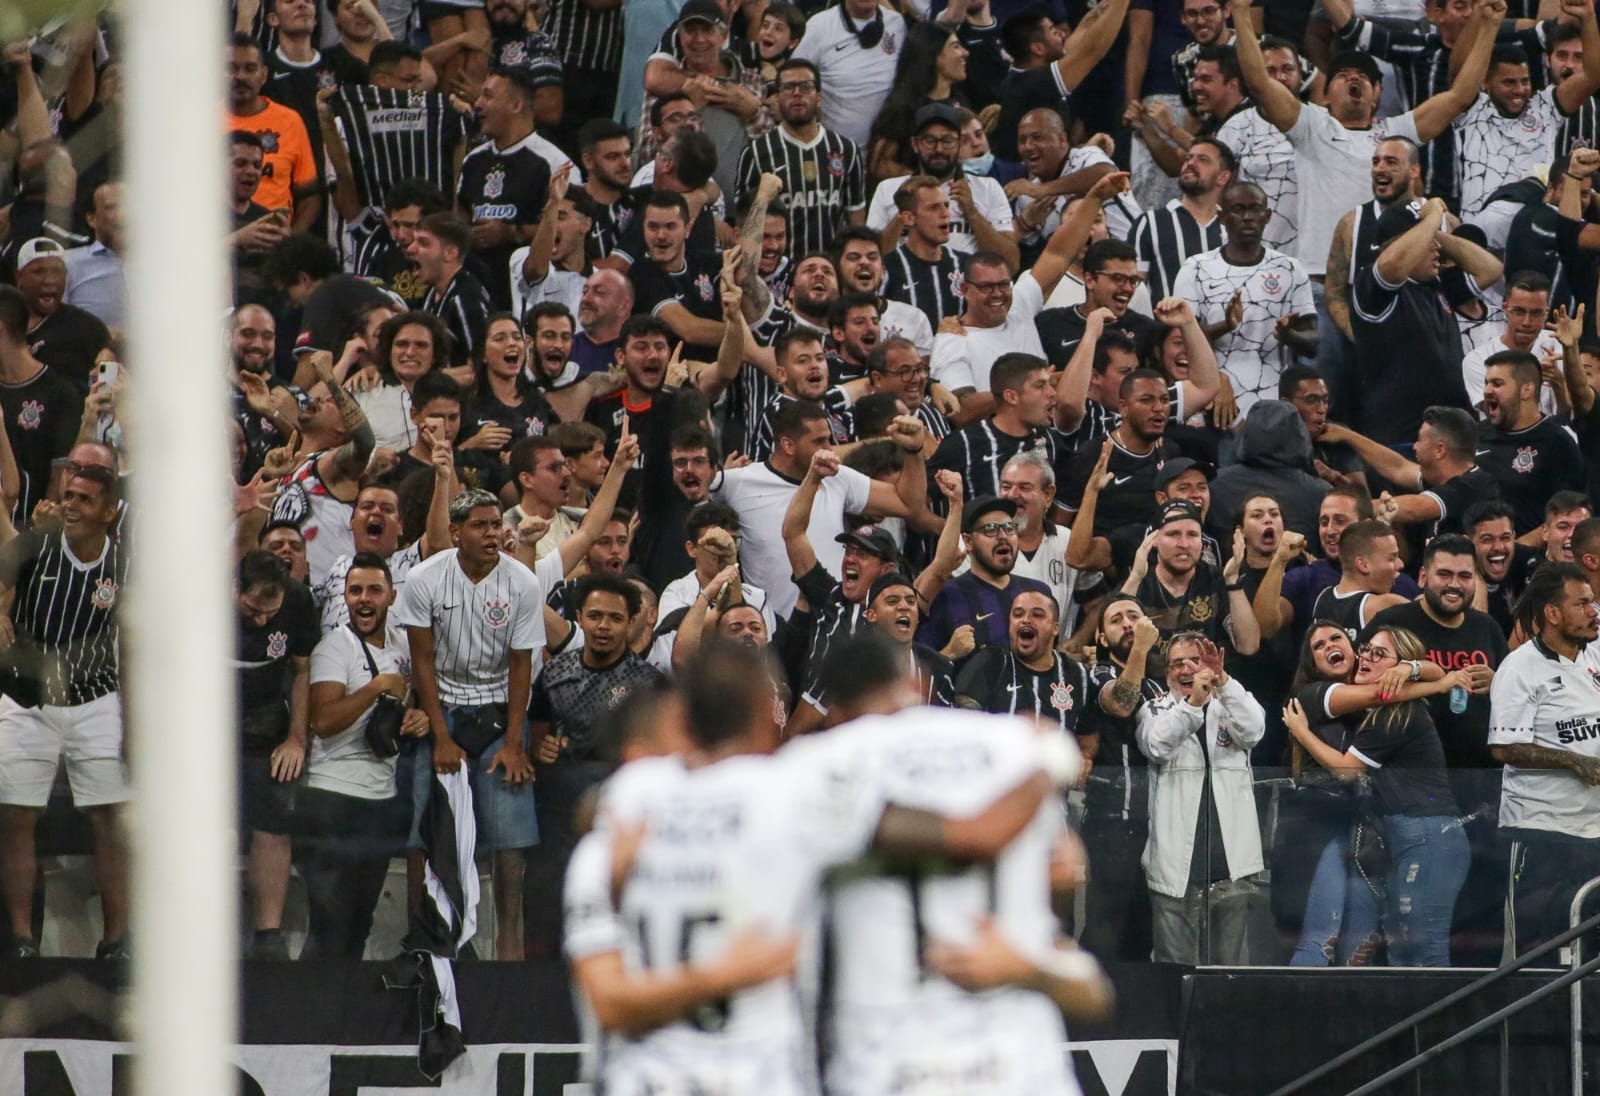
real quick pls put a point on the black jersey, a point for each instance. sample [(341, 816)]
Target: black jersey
[(42, 418), (934, 289), (822, 181), (994, 679), (464, 307), (503, 184), (1530, 465), (393, 135)]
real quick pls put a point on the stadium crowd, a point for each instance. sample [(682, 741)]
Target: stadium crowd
[(1213, 386)]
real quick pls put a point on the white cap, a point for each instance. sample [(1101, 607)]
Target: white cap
[(40, 247)]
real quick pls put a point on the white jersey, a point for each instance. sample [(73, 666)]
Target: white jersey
[(892, 1019), (1493, 150), (855, 80), (565, 287), (1120, 211), (741, 844), (329, 593), (1266, 158), (987, 195), (900, 321), (1250, 354), (1473, 369), (1334, 168), (761, 496), (965, 361), (323, 518), (475, 626), (1540, 698)]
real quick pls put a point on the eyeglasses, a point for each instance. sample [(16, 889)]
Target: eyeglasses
[(939, 142), (909, 372), (679, 119), (995, 528), (1379, 654), (991, 287), (1121, 281), (1200, 13), (797, 87)]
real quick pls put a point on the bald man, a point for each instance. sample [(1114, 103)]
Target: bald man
[(1057, 172), (606, 302), (262, 406)]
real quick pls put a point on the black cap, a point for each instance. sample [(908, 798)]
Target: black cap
[(874, 539), (705, 11), (1178, 510), (934, 113), (1176, 467), (885, 581), (1359, 60), (982, 506), (1397, 220)]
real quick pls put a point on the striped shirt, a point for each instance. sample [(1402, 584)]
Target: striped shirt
[(980, 451), (831, 619), (464, 307), (394, 135), (841, 423), (1581, 129), (995, 680), (823, 180), (587, 39), (64, 613), (1165, 237), (934, 289), (475, 626)]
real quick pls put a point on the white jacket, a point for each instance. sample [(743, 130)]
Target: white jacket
[(1233, 723)]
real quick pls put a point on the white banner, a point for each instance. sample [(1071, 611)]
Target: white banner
[(77, 1067)]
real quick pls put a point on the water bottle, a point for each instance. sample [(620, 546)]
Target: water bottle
[(1458, 699)]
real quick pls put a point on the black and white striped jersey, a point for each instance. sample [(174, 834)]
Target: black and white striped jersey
[(841, 424), (380, 260), (934, 289), (831, 620), (932, 418), (464, 307), (979, 452), (587, 38), (394, 135), (995, 680), (823, 180), (65, 613), (1165, 237)]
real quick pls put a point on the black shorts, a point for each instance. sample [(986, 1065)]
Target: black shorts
[(265, 805)]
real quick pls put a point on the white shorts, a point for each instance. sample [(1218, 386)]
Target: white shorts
[(636, 1072), (34, 740)]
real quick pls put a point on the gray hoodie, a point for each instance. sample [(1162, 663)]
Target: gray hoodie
[(1274, 458)]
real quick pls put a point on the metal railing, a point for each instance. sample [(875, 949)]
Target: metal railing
[(1573, 978)]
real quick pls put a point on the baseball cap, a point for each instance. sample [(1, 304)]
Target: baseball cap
[(1396, 221), (886, 581), (935, 113), (983, 506), (1177, 467), (1178, 510), (871, 538), (40, 247), (704, 11), (1358, 60)]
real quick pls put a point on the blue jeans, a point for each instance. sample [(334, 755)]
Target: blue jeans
[(1336, 362), (1342, 913), (1429, 859), (505, 813)]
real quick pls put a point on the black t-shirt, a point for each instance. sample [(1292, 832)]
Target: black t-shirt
[(1531, 465), (652, 423), (1203, 607), (42, 419), (996, 680), (1402, 752), (827, 619), (1061, 330), (1477, 642), (1117, 787), (627, 216), (329, 315), (532, 417), (1412, 324), (67, 341), (1128, 501), (1503, 595), (1460, 492), (502, 185), (259, 433), (987, 63), (694, 286), (265, 651)]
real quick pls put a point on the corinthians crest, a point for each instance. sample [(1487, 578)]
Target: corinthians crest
[(494, 183)]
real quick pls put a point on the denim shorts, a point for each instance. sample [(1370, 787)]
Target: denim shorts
[(505, 812)]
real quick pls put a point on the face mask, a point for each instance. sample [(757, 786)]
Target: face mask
[(978, 165)]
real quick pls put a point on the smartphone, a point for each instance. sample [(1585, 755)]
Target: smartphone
[(106, 373)]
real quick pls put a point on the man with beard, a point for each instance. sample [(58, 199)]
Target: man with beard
[(1446, 474), (1396, 176), (1504, 566), (854, 326), (62, 336), (858, 264), (375, 529), (1043, 72), (573, 694), (1338, 464), (1029, 676), (1057, 172), (982, 596), (514, 45), (1187, 593), (1138, 449), (440, 248), (1024, 403), (554, 266), (823, 173), (1459, 637), (674, 283), (1264, 154), (1530, 454), (984, 222), (803, 375), (1334, 144), (605, 149), (604, 305), (891, 607), (1187, 225), (1029, 480), (1510, 125), (1205, 837), (1254, 303), (1116, 803), (1527, 310), (263, 406), (289, 177), (383, 254)]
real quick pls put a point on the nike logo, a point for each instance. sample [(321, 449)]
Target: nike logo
[(1012, 688), (1480, 452), (1120, 480), (983, 616), (449, 608)]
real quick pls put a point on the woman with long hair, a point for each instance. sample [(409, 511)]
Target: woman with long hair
[(1199, 436), (932, 62), (409, 345), (504, 406), (1373, 724)]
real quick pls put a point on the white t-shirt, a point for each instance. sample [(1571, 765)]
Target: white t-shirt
[(761, 496), (475, 626), (342, 762), (1334, 167), (562, 286), (1493, 150), (965, 361), (1543, 699), (1275, 287), (900, 320), (987, 194), (329, 593), (388, 411), (855, 81), (1473, 369), (1266, 158), (1121, 212)]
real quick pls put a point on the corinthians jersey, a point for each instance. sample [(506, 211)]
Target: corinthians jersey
[(1540, 698)]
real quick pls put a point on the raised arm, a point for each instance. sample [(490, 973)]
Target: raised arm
[(1484, 267), (1569, 329), (757, 298), (1085, 551), (1205, 376), (598, 515), (346, 197), (536, 266), (797, 518), (1390, 465), (1576, 89), (730, 354), (1120, 698), (1434, 115), (351, 457), (1072, 385), (1072, 234), (1277, 104), (1270, 608), (947, 552), (1400, 257), (1092, 39)]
